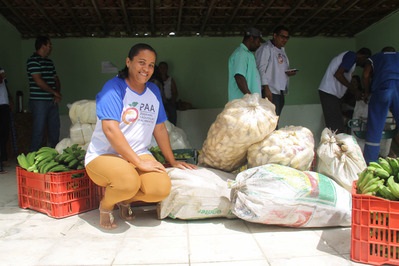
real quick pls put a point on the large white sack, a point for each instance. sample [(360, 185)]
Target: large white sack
[(281, 195), (197, 194), (76, 134), (339, 157), (177, 137), (291, 146), (83, 111), (242, 123)]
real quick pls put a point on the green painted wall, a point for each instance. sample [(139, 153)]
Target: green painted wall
[(198, 64), (381, 34)]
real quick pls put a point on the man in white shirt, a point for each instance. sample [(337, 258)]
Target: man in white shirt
[(273, 65), (334, 84)]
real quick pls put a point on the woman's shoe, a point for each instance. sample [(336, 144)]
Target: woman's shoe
[(125, 211), (107, 219)]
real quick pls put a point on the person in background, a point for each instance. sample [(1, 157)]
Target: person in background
[(273, 65), (5, 109), (44, 95), (381, 82), (130, 111), (170, 92), (243, 75), (336, 82), (349, 100)]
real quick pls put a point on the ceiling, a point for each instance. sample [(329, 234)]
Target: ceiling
[(160, 18)]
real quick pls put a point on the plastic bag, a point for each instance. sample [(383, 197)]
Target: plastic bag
[(339, 157), (281, 195), (197, 194)]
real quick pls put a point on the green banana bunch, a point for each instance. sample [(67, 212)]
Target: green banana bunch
[(380, 179), (393, 186), (47, 159), (368, 182), (72, 157)]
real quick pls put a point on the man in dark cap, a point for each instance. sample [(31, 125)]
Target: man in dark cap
[(243, 74)]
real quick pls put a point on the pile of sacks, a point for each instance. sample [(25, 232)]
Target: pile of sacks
[(244, 132)]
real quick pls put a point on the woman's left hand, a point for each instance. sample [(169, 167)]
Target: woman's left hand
[(183, 165)]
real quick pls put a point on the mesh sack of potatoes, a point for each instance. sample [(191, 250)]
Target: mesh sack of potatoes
[(291, 146), (241, 123)]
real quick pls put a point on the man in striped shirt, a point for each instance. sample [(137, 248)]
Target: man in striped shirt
[(44, 88)]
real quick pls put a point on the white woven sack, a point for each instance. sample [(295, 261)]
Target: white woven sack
[(281, 195), (197, 194)]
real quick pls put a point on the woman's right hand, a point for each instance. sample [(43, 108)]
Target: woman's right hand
[(150, 166)]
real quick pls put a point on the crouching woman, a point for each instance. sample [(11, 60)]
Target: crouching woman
[(130, 112)]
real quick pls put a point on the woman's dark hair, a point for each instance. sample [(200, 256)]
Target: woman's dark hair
[(137, 48), (40, 41)]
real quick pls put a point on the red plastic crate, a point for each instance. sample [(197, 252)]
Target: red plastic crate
[(375, 230), (58, 195)]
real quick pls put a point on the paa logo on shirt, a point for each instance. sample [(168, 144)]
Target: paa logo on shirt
[(130, 114)]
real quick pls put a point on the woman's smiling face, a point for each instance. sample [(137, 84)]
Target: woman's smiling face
[(141, 67)]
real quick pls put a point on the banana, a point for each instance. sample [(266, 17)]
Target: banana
[(59, 168), (375, 165), (47, 150), (371, 179), (43, 161), (361, 178), (48, 166), (393, 186), (22, 161), (367, 178), (69, 158), (394, 165), (371, 182), (386, 193), (32, 168), (30, 157), (381, 173), (72, 164), (44, 155), (385, 165), (373, 188)]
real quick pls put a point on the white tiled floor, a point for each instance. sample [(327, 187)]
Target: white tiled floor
[(31, 238)]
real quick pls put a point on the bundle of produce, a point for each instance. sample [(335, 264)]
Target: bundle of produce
[(291, 146), (197, 194), (83, 111), (340, 158), (380, 179), (242, 123), (48, 159), (281, 195)]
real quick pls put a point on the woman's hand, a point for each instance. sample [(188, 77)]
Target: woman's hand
[(150, 166), (183, 165)]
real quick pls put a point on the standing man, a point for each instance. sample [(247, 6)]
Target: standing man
[(381, 74), (5, 119), (273, 65), (44, 96), (336, 80), (243, 74)]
